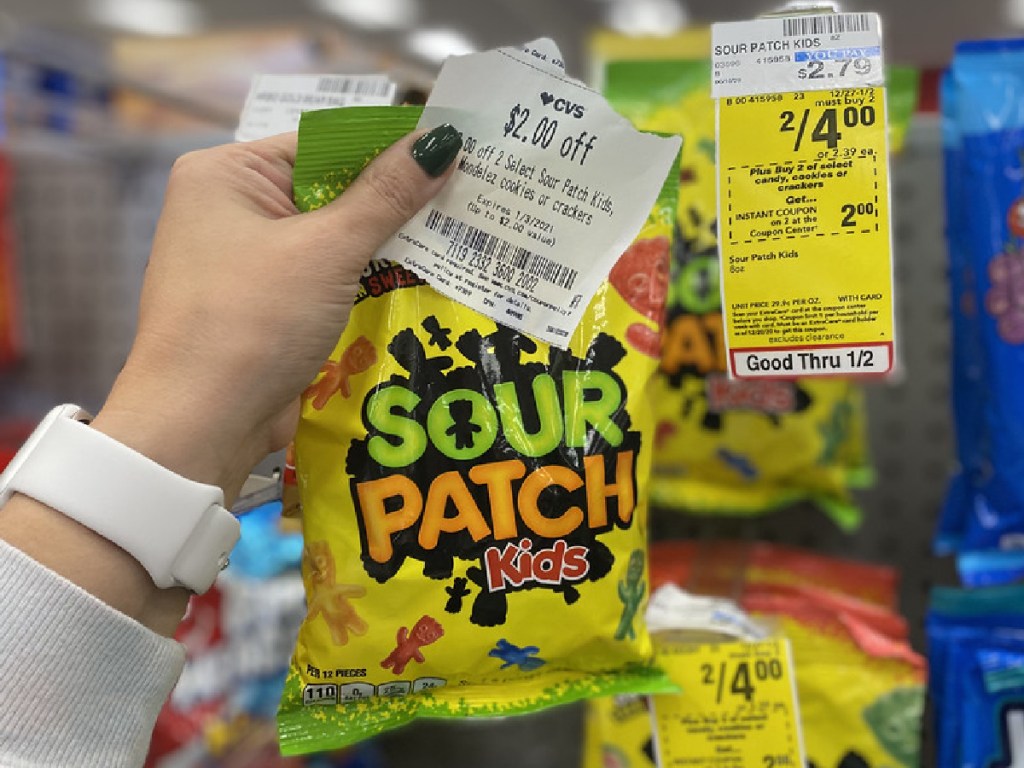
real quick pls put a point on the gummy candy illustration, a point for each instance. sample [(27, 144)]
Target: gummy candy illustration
[(849, 760), (895, 719), (357, 358), (440, 337), (641, 278), (330, 599), (739, 462), (464, 428), (512, 655), (631, 593), (408, 644), (456, 592)]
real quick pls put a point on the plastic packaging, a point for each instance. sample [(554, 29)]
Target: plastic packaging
[(984, 131), (436, 585), (976, 651), (860, 684)]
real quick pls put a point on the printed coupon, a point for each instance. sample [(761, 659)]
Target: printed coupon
[(737, 707), (276, 102), (796, 53), (551, 188)]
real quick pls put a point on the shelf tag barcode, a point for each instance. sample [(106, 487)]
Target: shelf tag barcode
[(826, 24), (377, 85), (275, 103)]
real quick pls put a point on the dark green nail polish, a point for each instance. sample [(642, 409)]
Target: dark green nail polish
[(436, 149)]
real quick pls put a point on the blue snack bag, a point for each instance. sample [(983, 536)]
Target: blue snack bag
[(959, 619), (967, 370), (988, 79), (991, 703)]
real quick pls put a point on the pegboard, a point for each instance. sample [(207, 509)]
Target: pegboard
[(84, 219)]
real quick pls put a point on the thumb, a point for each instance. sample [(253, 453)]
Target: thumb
[(390, 190)]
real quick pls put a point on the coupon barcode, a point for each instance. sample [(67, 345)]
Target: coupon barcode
[(827, 24), (462, 233), (359, 86), (552, 272)]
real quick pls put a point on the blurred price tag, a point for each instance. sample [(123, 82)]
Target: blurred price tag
[(276, 102), (738, 707)]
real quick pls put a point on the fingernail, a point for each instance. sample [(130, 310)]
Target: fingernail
[(436, 149)]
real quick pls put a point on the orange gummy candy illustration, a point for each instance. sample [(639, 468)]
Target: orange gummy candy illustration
[(641, 276), (330, 599), (424, 632), (357, 358)]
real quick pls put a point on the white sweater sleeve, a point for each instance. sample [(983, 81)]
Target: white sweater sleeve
[(80, 683)]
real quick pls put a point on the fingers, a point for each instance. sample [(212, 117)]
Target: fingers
[(273, 158), (392, 188)]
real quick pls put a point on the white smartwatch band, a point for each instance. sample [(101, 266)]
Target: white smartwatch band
[(176, 528)]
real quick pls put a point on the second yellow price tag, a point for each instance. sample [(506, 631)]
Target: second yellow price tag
[(804, 233), (738, 707)]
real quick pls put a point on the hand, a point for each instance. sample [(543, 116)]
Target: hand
[(244, 299), (242, 302)]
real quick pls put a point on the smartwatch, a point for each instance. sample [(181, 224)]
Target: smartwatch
[(176, 528)]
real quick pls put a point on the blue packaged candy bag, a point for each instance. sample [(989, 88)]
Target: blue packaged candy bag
[(264, 549), (988, 80), (965, 370), (959, 619), (991, 703)]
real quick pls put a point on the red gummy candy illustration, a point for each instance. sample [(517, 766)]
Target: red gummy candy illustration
[(424, 632), (1015, 217), (357, 357), (641, 277)]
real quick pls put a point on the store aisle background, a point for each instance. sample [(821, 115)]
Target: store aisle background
[(84, 221), (86, 206)]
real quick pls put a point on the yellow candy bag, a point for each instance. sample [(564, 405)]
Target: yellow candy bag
[(473, 501), (726, 446)]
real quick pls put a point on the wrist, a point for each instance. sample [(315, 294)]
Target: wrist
[(113, 494), (195, 443)]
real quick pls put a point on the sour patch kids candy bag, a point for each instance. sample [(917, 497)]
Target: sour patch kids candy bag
[(473, 501)]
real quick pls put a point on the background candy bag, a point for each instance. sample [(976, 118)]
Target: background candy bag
[(436, 586), (729, 446), (859, 683), (728, 568), (861, 693), (961, 622), (966, 371), (986, 241)]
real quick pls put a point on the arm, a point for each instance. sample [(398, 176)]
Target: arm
[(242, 302)]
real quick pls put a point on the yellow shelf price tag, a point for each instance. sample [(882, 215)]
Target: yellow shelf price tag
[(737, 709), (803, 183)]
